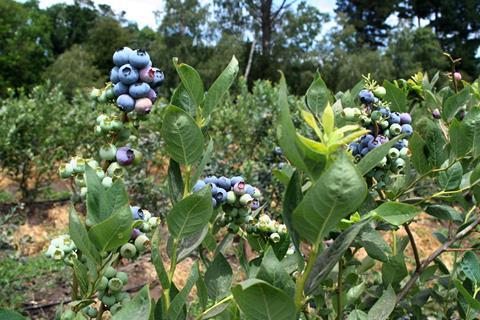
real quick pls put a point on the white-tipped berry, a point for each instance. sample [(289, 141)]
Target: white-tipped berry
[(79, 166), (128, 250), (115, 284), (115, 170), (231, 197), (107, 182), (108, 152), (142, 242), (100, 173), (275, 237), (65, 170), (246, 199), (80, 180), (153, 221)]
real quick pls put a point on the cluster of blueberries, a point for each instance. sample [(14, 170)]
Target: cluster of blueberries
[(267, 228), (135, 81), (383, 126), (62, 248), (110, 291), (139, 241)]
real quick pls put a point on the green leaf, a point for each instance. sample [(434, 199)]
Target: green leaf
[(192, 82), (474, 178), (452, 177), (293, 196), (191, 214), (434, 150), (10, 315), (471, 267), (384, 306), (472, 302), (218, 309), (259, 300), (218, 278), (397, 97), (394, 270), (444, 212), (182, 99), (357, 315), (354, 293), (374, 244), (339, 191), (158, 261), (102, 202), (460, 144), (183, 138), (175, 181), (202, 292), (454, 103), (272, 271), (318, 95), (176, 307), (139, 308), (397, 213), (79, 235), (329, 258), (190, 243), (220, 87), (207, 156), (81, 273), (113, 232), (419, 153), (373, 158), (471, 131), (288, 141)]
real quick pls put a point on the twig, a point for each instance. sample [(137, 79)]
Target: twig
[(403, 292), (414, 246)]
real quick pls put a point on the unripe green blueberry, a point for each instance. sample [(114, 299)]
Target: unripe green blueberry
[(65, 170), (393, 153), (387, 134), (88, 222), (122, 276), (108, 152), (365, 121), (142, 242), (246, 199), (107, 182), (58, 254), (257, 194), (376, 115), (101, 293), (116, 125), (101, 118), (399, 165), (109, 94), (100, 173), (115, 308), (275, 237), (115, 170), (102, 98), (92, 163), (145, 227), (404, 152), (348, 114), (138, 157), (395, 129), (380, 91), (115, 285), (383, 162), (122, 296), (357, 112), (92, 312), (98, 130), (231, 197), (94, 94), (153, 222), (79, 165), (234, 213), (128, 250), (384, 124), (80, 180), (68, 315), (106, 125), (146, 214), (103, 284), (83, 192), (109, 300), (110, 272)]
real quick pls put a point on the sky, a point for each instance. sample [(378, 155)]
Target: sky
[(142, 11)]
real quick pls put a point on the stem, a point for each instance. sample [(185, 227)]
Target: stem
[(228, 298), (186, 188), (394, 244), (171, 272), (100, 311), (414, 246), (403, 292), (74, 287), (303, 278), (340, 290)]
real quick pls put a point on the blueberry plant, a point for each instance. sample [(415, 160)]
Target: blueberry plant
[(361, 164)]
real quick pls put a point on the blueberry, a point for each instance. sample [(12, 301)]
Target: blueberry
[(373, 144), (380, 91), (221, 195), (114, 75), (152, 95), (142, 243), (108, 152), (235, 180), (436, 114), (115, 284), (399, 165), (353, 147), (405, 118), (366, 97), (224, 183), (395, 129), (382, 139), (135, 232), (384, 124), (125, 156), (239, 188), (257, 194), (385, 112), (246, 199), (213, 188), (278, 151), (400, 144), (364, 151), (376, 116), (143, 106), (210, 179), (139, 90), (231, 197), (120, 57), (146, 74), (249, 190), (125, 103), (107, 182), (393, 153), (139, 58), (137, 213), (158, 77), (119, 89), (394, 118), (349, 114), (407, 129), (199, 185), (214, 202), (127, 74), (255, 204)]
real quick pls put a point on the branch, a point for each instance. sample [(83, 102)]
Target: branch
[(282, 7), (414, 246), (403, 292)]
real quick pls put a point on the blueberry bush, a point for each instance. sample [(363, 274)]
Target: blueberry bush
[(357, 168)]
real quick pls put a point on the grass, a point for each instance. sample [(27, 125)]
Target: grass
[(6, 197)]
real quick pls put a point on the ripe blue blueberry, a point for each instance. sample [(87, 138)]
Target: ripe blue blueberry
[(158, 77), (152, 95), (221, 195), (385, 112), (224, 183), (119, 89), (199, 185), (114, 75), (139, 90), (239, 188), (255, 204), (143, 106), (364, 151), (405, 118), (127, 74), (249, 190), (125, 156), (407, 129), (125, 103), (139, 58), (214, 202), (436, 114), (137, 213), (213, 188), (366, 97), (210, 179), (394, 118), (120, 57), (373, 144), (278, 151), (400, 144)]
